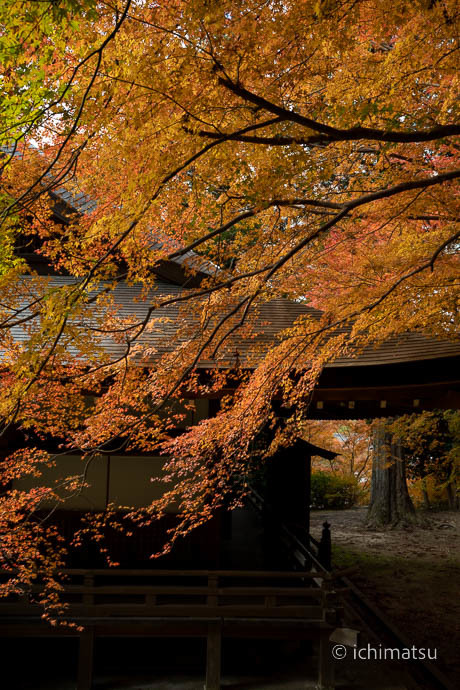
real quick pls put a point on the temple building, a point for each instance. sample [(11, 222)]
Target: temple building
[(405, 374)]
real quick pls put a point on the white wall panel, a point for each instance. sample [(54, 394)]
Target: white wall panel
[(91, 498), (130, 480)]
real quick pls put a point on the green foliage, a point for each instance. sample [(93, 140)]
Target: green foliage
[(8, 258), (333, 491), (33, 37)]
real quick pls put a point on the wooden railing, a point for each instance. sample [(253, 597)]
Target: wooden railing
[(191, 602), (172, 593)]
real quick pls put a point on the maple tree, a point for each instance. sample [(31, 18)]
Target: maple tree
[(351, 440), (306, 150), (344, 480)]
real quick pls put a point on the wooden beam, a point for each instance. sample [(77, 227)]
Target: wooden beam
[(408, 391)]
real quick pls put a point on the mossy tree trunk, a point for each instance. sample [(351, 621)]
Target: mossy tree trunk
[(452, 497), (391, 505)]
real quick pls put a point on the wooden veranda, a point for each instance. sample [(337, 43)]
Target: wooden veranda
[(191, 603)]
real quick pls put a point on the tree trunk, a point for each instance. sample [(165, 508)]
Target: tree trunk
[(426, 498), (391, 505), (452, 496)]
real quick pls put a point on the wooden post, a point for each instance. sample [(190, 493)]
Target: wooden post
[(85, 660), (213, 656), (88, 582), (325, 663), (213, 648), (212, 590), (324, 549)]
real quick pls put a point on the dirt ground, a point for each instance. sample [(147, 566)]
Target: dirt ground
[(411, 575)]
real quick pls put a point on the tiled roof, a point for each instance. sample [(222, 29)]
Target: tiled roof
[(82, 203), (75, 200), (270, 319)]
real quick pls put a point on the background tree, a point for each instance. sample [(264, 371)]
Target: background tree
[(344, 480), (390, 504), (431, 443), (351, 440)]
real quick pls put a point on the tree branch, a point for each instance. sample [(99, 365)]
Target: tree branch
[(331, 134)]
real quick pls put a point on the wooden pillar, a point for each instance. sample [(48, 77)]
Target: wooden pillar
[(325, 662), (213, 656), (85, 660), (288, 490), (298, 493)]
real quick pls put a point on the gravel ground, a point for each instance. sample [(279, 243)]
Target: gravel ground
[(411, 575), (440, 541)]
